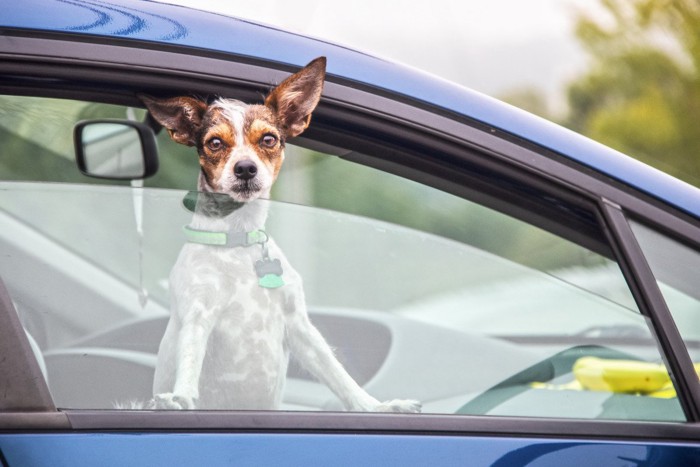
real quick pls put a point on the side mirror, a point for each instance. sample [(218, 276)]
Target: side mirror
[(116, 149)]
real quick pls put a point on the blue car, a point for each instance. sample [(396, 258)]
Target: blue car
[(535, 291)]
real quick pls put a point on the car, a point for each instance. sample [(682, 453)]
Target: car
[(534, 290)]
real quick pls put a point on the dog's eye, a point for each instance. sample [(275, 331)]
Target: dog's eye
[(269, 140), (215, 144)]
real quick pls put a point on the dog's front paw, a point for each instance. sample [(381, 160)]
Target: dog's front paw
[(170, 401), (399, 405)]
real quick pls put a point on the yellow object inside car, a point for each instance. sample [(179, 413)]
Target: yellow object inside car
[(619, 376)]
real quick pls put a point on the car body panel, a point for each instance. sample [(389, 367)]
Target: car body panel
[(213, 449), (172, 25)]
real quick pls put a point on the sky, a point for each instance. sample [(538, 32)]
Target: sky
[(497, 47)]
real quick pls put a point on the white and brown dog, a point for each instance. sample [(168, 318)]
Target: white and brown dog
[(238, 307)]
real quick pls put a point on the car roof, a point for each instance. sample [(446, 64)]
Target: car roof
[(177, 25)]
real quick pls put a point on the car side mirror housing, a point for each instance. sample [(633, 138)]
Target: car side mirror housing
[(115, 149)]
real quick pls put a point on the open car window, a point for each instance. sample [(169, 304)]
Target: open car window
[(422, 294)]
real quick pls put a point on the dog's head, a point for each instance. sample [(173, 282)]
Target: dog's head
[(241, 146)]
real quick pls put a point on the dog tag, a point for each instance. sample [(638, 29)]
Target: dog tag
[(269, 273)]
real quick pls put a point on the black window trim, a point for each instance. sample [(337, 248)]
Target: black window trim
[(102, 60), (652, 304)]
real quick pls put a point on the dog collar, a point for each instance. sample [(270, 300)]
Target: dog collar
[(225, 239), (268, 270)]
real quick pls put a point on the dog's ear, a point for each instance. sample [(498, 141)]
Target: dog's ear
[(297, 96), (181, 116)]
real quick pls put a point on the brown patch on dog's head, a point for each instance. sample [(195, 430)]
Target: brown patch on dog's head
[(264, 135), (216, 138)]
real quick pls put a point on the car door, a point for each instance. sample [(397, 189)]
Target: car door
[(492, 280)]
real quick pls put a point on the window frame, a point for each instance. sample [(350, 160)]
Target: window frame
[(653, 305), (52, 57)]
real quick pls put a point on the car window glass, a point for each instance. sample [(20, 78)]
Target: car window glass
[(423, 295), (675, 267)]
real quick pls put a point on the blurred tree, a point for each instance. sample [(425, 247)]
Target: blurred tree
[(642, 92), (529, 98)]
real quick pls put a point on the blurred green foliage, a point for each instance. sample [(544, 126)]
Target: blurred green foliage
[(641, 94), (332, 183), (37, 143)]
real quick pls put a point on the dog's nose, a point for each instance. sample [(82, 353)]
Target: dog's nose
[(245, 170)]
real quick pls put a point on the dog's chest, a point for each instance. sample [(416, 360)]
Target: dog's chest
[(223, 283), (221, 275), (248, 337)]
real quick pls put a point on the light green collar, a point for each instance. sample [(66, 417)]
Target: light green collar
[(268, 270), (225, 239)]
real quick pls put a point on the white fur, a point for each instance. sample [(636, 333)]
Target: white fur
[(228, 340)]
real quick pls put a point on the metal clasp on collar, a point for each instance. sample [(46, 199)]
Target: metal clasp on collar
[(257, 236)]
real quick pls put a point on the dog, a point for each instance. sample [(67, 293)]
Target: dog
[(238, 306)]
